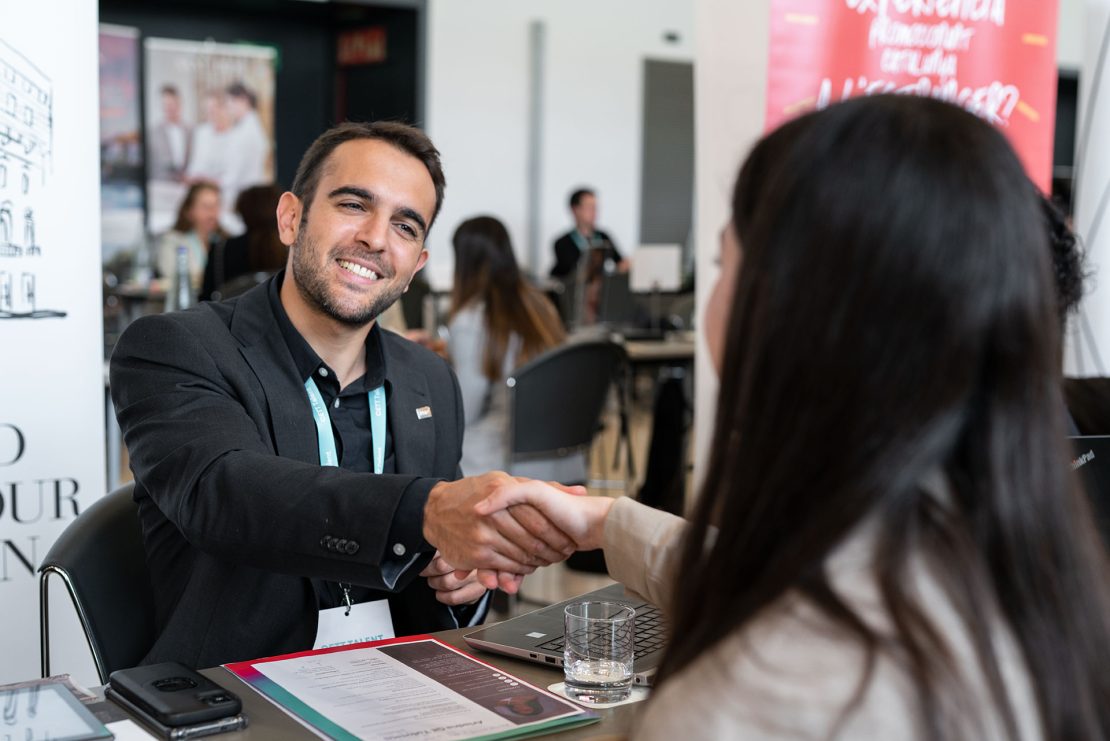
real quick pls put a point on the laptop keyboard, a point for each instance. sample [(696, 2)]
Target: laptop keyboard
[(651, 633)]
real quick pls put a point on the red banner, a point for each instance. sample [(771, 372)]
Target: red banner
[(363, 46), (994, 58)]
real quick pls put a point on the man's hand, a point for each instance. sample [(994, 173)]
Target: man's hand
[(495, 540), (452, 588)]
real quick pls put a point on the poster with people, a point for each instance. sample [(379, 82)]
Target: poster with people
[(995, 58), (209, 118)]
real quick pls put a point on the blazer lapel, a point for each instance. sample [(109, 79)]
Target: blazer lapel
[(265, 351), (414, 437)]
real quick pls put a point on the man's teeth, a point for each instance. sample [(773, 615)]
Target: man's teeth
[(358, 269)]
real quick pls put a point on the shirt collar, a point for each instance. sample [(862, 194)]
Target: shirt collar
[(305, 358)]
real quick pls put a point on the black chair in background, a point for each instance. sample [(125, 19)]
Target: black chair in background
[(556, 400), (101, 559)]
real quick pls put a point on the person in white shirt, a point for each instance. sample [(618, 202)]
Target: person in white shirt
[(210, 142), (246, 151), (889, 542)]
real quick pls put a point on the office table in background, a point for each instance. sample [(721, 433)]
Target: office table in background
[(269, 722)]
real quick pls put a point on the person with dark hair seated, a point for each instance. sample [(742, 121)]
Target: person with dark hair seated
[(890, 542), (197, 229), (584, 238), (258, 250)]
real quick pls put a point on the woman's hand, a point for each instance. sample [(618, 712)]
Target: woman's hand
[(581, 518)]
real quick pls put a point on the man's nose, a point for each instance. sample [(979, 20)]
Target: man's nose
[(374, 232)]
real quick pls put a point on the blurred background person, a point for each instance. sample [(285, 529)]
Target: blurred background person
[(498, 322), (257, 250), (169, 140), (197, 229), (583, 256), (210, 144), (248, 148)]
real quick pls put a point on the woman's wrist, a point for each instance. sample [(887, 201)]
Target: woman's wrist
[(598, 513)]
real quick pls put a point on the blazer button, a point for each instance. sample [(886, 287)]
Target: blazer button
[(325, 542), (341, 545), (352, 547)]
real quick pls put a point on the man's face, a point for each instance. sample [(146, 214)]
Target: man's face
[(585, 213), (171, 107), (364, 236)]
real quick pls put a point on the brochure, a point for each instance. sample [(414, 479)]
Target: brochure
[(406, 688)]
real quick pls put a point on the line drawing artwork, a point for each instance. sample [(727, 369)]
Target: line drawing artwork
[(26, 151)]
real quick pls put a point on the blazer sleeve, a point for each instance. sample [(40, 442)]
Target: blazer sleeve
[(198, 450), (642, 549)]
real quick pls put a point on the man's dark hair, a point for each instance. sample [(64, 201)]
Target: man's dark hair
[(577, 196), (239, 90), (170, 90), (408, 139)]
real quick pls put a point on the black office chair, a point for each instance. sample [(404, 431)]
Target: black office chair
[(101, 559), (556, 400)]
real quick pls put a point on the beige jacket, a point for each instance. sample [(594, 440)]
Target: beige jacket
[(789, 674)]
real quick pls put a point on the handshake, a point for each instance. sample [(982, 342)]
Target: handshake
[(491, 530)]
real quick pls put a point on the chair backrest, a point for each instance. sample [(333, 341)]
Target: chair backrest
[(101, 559), (556, 399)]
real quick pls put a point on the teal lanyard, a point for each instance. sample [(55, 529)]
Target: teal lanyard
[(326, 438)]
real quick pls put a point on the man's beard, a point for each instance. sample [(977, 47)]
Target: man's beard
[(312, 283)]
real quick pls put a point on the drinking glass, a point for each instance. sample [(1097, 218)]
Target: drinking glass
[(598, 651)]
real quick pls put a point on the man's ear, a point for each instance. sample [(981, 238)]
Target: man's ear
[(289, 218), (420, 262)]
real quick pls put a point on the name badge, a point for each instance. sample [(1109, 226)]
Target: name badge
[(368, 621)]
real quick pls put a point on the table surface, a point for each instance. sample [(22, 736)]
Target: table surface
[(267, 721)]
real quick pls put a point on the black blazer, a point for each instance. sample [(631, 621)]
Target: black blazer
[(238, 516), (567, 253)]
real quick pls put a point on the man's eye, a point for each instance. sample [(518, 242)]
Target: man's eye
[(407, 229), (351, 205)]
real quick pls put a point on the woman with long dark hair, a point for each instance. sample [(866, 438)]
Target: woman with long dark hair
[(259, 249), (498, 322), (889, 542)]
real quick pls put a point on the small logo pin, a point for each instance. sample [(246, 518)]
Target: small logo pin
[(423, 412)]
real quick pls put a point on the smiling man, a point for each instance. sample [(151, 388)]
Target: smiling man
[(296, 466)]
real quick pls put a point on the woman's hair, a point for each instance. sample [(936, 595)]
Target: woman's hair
[(1067, 259), (895, 319), (257, 206), (183, 224), (486, 272)]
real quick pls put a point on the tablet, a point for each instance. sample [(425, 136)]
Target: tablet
[(47, 711)]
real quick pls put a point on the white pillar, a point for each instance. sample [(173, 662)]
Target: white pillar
[(1088, 341), (730, 79)]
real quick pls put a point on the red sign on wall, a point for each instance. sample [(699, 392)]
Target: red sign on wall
[(364, 46), (996, 59)]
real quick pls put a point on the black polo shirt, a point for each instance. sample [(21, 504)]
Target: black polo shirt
[(349, 409)]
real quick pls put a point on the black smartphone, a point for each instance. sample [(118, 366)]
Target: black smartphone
[(174, 695), (176, 733)]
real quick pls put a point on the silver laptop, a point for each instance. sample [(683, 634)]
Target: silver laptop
[(538, 636)]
